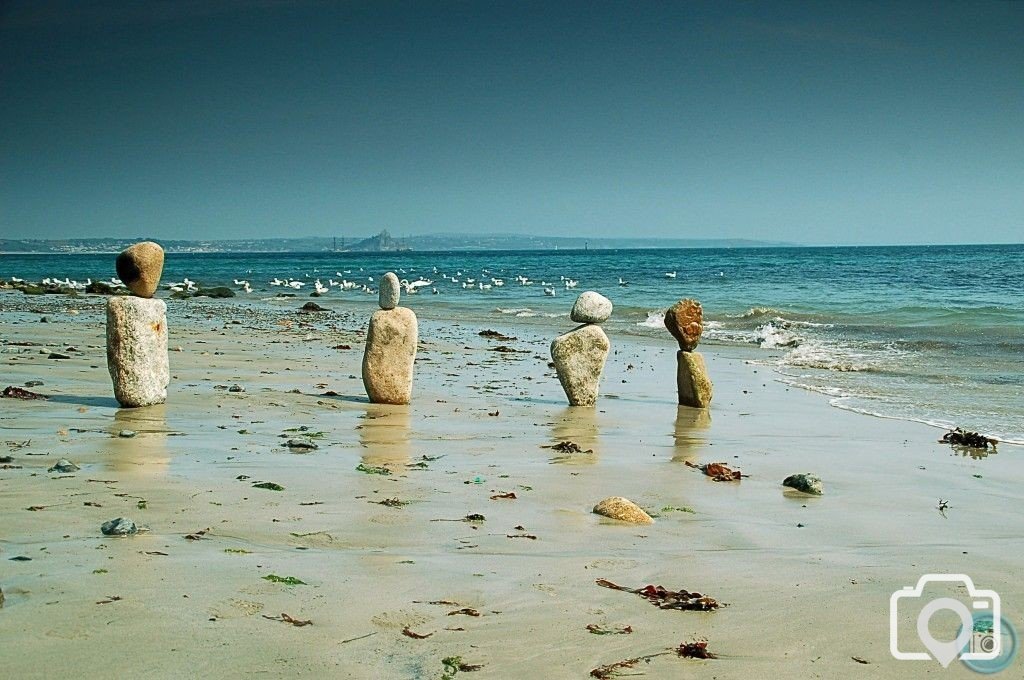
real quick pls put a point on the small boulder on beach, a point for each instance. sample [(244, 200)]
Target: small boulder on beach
[(617, 507), (805, 482), (63, 466), (121, 526)]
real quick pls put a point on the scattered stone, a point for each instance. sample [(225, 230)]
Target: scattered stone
[(12, 392), (390, 356), (805, 482), (121, 526), (215, 292), (236, 388), (390, 291), (579, 358), (44, 319), (301, 444), (64, 466), (685, 321), (58, 355), (137, 350), (33, 383), (495, 335), (692, 381), (617, 507), (312, 307), (126, 434), (139, 267), (591, 307)]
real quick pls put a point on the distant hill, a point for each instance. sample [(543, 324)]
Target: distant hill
[(378, 243)]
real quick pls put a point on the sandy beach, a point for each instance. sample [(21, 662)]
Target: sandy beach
[(806, 580)]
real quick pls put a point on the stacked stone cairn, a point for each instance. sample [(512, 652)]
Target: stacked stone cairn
[(390, 347), (685, 321), (137, 330), (579, 355)]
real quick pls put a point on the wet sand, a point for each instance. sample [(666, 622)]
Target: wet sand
[(807, 580)]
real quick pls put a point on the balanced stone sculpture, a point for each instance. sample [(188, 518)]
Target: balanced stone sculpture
[(137, 330), (390, 347), (685, 321), (579, 355)]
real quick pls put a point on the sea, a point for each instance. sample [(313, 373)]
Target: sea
[(933, 334)]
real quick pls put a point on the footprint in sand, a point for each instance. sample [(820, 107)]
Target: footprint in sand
[(234, 608), (613, 564), (398, 619)]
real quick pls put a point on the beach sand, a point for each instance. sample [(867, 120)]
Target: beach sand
[(806, 579)]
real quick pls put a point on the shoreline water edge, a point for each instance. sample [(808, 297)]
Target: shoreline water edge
[(278, 523)]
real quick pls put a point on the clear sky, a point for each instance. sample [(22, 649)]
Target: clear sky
[(822, 122)]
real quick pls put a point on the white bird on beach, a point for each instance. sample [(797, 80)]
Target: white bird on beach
[(320, 288), (246, 287), (670, 275), (623, 283), (277, 282), (484, 286), (569, 283), (550, 292), (296, 284)]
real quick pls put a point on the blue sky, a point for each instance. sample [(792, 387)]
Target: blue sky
[(811, 122)]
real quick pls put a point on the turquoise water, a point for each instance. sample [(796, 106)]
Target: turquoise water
[(934, 334)]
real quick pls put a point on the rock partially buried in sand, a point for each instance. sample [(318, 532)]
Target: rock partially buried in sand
[(139, 268), (390, 291), (63, 466), (579, 357), (692, 381), (137, 350), (591, 307), (390, 355), (685, 321), (617, 507), (121, 526), (806, 482)]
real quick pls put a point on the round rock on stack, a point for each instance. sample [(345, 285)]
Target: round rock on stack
[(685, 321), (591, 307), (390, 291), (139, 267)]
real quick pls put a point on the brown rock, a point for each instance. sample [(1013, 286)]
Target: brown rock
[(622, 509), (685, 321), (139, 267), (390, 356), (579, 358)]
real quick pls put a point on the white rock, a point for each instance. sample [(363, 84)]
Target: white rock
[(137, 350), (390, 291), (591, 307), (390, 355), (579, 357)]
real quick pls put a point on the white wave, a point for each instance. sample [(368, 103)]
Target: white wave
[(770, 336), (811, 355), (654, 320)]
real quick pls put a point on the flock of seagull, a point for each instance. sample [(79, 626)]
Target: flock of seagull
[(483, 282)]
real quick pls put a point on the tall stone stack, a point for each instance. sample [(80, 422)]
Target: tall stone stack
[(137, 330), (685, 321), (579, 355), (390, 347)]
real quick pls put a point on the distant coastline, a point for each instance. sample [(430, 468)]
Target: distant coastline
[(378, 243)]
